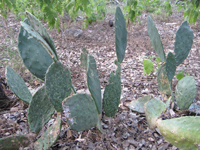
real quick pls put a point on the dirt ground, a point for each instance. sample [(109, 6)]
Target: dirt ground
[(127, 130)]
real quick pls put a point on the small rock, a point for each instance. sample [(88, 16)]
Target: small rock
[(160, 141), (104, 126), (14, 109), (7, 133), (131, 147), (163, 146), (74, 32), (151, 139)]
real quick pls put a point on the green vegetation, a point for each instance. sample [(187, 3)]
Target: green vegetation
[(183, 132), (82, 111)]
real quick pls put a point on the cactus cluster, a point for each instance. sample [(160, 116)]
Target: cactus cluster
[(183, 132), (82, 111)]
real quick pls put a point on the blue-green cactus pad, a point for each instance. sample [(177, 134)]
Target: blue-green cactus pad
[(170, 66), (37, 26), (50, 135), (112, 93), (185, 92), (93, 82), (155, 39), (163, 81), (183, 42), (58, 84), (17, 85), (40, 110), (153, 109), (183, 132), (138, 105), (80, 111), (33, 53), (120, 34)]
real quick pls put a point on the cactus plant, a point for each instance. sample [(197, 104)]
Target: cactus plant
[(112, 93), (138, 105), (17, 85), (37, 26), (183, 42), (49, 136), (183, 132), (40, 110), (120, 34), (170, 66), (155, 39), (58, 84), (16, 141), (163, 81), (93, 82), (153, 110), (185, 92), (80, 111), (33, 53)]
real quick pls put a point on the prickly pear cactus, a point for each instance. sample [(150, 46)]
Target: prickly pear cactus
[(40, 110), (120, 34), (138, 105), (83, 58), (93, 82), (17, 85), (58, 84), (185, 92), (37, 26), (33, 53), (183, 132), (170, 66), (80, 111), (162, 80), (183, 42), (16, 141), (153, 110), (49, 136), (155, 39), (112, 93)]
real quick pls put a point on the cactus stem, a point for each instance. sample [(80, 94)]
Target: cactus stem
[(73, 88)]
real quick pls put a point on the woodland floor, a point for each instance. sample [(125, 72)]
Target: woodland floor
[(127, 130)]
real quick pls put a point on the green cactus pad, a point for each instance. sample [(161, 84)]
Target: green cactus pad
[(80, 111), (17, 85), (170, 66), (83, 58), (185, 92), (93, 82), (40, 110), (37, 26), (120, 34), (138, 105), (153, 110), (50, 135), (34, 54), (155, 39), (183, 42), (36, 35), (183, 132), (112, 93), (162, 80), (58, 84), (16, 141)]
